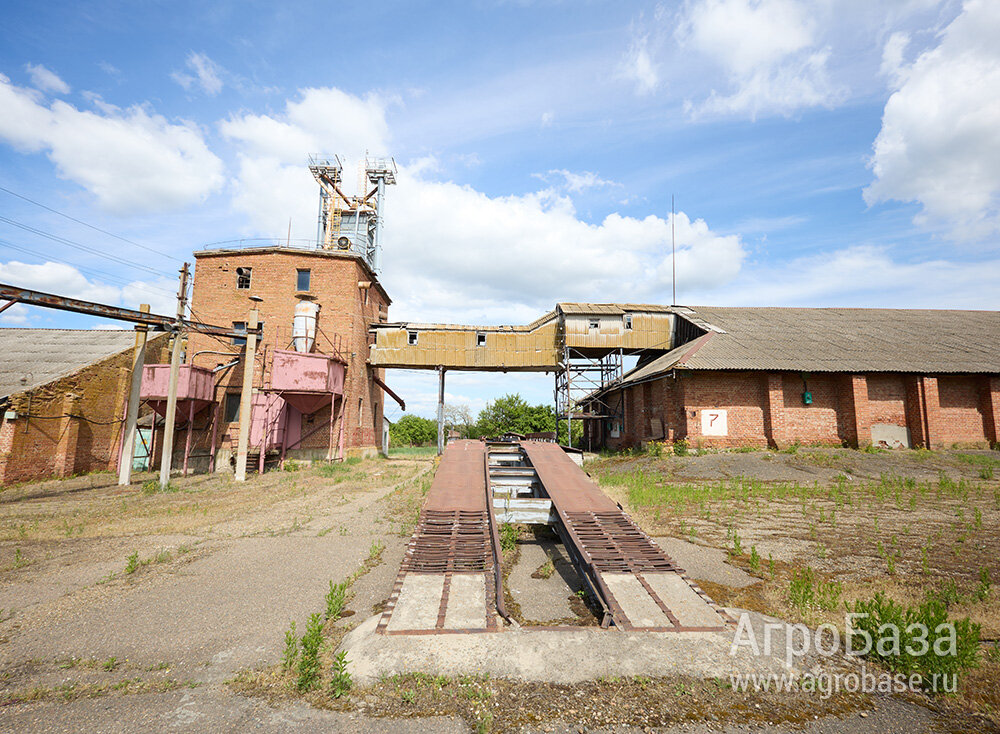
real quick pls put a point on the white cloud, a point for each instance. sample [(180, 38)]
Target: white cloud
[(893, 55), (67, 281), (57, 278), (768, 51), (455, 253), (273, 182), (638, 66), (867, 276), (109, 69), (134, 161), (204, 73), (46, 80), (548, 118), (576, 182), (939, 144)]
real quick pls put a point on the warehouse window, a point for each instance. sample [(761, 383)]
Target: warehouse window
[(480, 339), (361, 411), (628, 320), (240, 326), (595, 324), (243, 278), (232, 407), (411, 338), (302, 278)]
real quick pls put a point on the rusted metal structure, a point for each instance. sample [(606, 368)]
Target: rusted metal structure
[(352, 223), (451, 576), (583, 344), (195, 391)]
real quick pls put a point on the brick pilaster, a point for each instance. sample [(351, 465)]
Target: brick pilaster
[(69, 434), (857, 416), (6, 446), (932, 412), (923, 411), (774, 409), (991, 408)]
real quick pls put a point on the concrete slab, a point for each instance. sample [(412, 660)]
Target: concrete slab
[(702, 562), (466, 602), (639, 607), (686, 604), (570, 655), (419, 602), (543, 600)]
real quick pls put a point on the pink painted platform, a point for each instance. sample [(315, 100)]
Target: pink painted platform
[(306, 381), (195, 388)]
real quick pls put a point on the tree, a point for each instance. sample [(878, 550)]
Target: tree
[(577, 433), (459, 418), (412, 430), (512, 413)]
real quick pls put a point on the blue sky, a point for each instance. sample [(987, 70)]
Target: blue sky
[(824, 153)]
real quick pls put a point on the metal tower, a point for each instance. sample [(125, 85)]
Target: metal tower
[(352, 222)]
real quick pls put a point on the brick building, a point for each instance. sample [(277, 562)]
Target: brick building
[(776, 376), (276, 280), (64, 394)]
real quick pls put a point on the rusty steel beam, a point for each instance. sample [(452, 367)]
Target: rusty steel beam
[(62, 303)]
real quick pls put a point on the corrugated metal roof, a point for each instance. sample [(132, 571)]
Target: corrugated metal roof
[(836, 340), (39, 356), (610, 308)]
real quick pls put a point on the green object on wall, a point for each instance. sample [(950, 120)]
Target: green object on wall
[(807, 398)]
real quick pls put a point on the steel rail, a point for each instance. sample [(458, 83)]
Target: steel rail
[(495, 540)]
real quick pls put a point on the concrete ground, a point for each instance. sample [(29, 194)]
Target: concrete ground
[(243, 563), (192, 622)]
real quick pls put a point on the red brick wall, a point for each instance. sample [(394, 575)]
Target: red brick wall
[(887, 399), (991, 408), (741, 394), (961, 409), (767, 408), (52, 444), (820, 422), (344, 318)]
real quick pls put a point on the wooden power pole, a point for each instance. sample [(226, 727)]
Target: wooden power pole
[(132, 416), (175, 370), (246, 397)]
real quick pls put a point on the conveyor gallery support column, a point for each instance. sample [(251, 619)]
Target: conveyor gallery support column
[(440, 415)]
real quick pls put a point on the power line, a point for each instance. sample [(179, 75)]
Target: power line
[(94, 271), (79, 246), (91, 226)]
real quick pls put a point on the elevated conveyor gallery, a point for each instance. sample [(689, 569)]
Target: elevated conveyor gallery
[(450, 578)]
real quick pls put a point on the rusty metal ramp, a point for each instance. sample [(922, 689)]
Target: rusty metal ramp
[(635, 584), (450, 574)]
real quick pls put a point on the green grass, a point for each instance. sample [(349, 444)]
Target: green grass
[(979, 459), (412, 451)]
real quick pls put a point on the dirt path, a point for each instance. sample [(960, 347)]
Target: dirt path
[(176, 629), (220, 571)]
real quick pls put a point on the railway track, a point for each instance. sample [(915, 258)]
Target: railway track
[(450, 580)]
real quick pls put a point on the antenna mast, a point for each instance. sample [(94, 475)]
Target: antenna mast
[(673, 252)]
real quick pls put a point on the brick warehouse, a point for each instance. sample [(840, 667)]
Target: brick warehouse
[(275, 280), (64, 396), (776, 376)]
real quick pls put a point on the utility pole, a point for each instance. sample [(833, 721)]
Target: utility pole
[(132, 416), (175, 369), (440, 415), (246, 397)]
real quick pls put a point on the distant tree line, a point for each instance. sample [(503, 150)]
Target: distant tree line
[(510, 413)]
